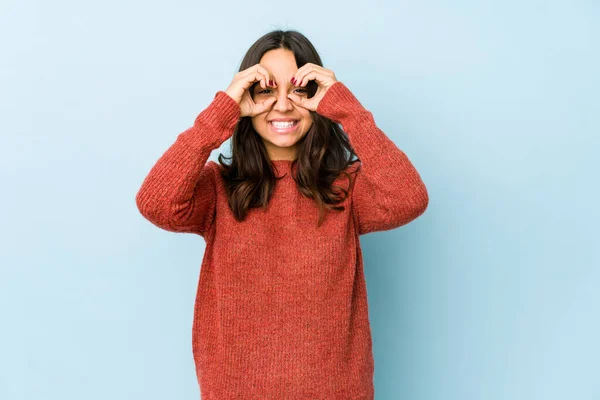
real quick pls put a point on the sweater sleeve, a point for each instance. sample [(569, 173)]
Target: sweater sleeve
[(179, 192), (387, 191)]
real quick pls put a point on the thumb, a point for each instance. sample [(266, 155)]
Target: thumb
[(265, 105), (301, 101), (295, 99)]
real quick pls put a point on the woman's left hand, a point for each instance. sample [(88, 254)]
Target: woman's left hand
[(309, 71)]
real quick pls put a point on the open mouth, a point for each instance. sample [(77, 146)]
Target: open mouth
[(283, 127)]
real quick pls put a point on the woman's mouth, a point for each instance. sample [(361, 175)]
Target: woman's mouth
[(283, 127)]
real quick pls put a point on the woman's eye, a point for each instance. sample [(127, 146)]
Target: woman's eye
[(269, 90)]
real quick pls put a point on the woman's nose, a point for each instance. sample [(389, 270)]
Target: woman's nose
[(283, 103)]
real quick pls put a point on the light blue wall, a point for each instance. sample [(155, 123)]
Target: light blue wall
[(492, 294)]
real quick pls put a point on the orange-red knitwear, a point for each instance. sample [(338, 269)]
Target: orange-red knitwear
[(281, 305)]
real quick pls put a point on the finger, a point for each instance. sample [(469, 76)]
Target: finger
[(308, 68), (302, 77), (302, 70), (258, 77), (250, 79), (264, 106), (299, 101), (310, 76), (256, 73), (271, 80), (292, 98), (321, 75), (262, 78), (256, 68), (265, 75)]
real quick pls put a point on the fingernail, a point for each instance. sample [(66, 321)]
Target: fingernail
[(294, 81)]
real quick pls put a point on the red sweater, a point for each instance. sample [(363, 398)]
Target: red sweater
[(281, 306)]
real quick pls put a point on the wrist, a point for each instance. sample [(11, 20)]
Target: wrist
[(230, 94)]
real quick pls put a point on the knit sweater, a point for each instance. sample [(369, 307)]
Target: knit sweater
[(281, 305)]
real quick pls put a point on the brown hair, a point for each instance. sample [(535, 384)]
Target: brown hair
[(324, 152)]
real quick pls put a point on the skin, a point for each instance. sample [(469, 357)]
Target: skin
[(282, 66), (286, 100)]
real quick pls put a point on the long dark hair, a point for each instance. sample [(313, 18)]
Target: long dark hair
[(324, 153)]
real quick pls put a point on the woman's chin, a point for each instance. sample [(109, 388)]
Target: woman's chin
[(283, 142)]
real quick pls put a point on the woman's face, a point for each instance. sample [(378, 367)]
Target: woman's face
[(281, 141)]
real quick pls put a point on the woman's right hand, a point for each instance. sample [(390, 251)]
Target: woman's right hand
[(242, 81)]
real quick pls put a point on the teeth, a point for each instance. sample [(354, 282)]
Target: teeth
[(283, 124)]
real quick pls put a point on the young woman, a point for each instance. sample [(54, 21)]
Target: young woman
[(281, 306)]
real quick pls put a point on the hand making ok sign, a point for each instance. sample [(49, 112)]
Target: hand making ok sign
[(322, 76)]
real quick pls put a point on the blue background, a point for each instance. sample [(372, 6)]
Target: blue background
[(491, 294)]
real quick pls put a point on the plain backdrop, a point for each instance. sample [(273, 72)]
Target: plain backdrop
[(492, 294)]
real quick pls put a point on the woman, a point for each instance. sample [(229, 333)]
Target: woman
[(281, 306)]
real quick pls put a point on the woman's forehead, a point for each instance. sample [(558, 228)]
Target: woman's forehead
[(281, 63)]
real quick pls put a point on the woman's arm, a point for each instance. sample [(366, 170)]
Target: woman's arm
[(179, 193), (388, 191)]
